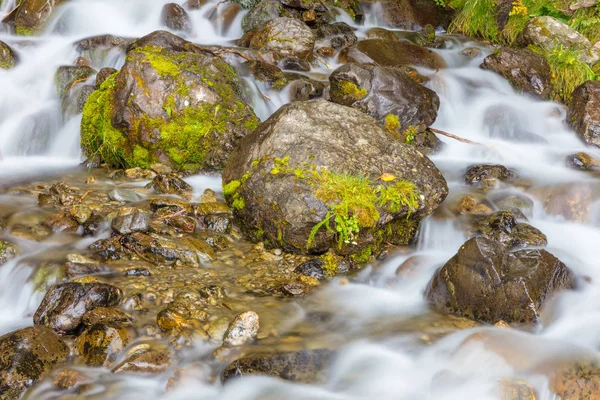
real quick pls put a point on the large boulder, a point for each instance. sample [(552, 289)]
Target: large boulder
[(527, 72), (64, 305), (26, 356), (583, 114), (167, 104), (8, 58), (285, 36), (319, 175), (174, 17), (488, 282), (410, 14), (391, 53), (391, 97), (549, 34)]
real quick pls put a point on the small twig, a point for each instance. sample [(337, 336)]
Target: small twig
[(322, 61), (263, 95), (84, 196), (455, 137), (324, 5), (76, 81), (175, 214)]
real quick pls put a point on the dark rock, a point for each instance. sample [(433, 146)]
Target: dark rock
[(293, 63), (266, 72), (169, 103), (426, 37), (583, 113), (61, 222), (93, 225), (313, 268), (305, 366), (173, 16), (171, 204), (305, 89), (527, 72), (392, 98), (391, 53), (67, 75), (186, 251), (105, 315), (488, 175), (138, 272), (31, 15), (412, 14), (27, 355), (171, 184), (185, 311), (65, 304), (485, 281), (381, 33), (338, 34), (285, 36), (502, 226), (582, 161), (131, 220), (328, 139), (103, 74), (261, 14), (8, 58), (100, 344)]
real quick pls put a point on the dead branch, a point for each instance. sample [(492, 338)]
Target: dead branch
[(450, 135)]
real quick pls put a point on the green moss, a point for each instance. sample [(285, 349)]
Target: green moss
[(141, 157), (363, 256), (230, 188), (239, 203), (409, 134), (392, 125), (330, 263), (348, 88), (587, 22)]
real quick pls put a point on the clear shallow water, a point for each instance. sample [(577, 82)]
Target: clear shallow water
[(35, 143)]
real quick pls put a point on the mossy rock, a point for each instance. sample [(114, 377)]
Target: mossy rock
[(26, 356), (391, 53), (167, 105), (67, 75), (31, 15), (286, 37), (8, 58), (319, 175), (8, 251)]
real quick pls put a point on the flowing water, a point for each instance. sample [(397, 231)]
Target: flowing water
[(383, 352)]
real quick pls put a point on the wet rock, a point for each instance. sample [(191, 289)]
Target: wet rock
[(81, 213), (31, 15), (328, 140), (143, 114), (583, 113), (213, 294), (582, 161), (391, 53), (471, 52), (549, 34), (61, 222), (26, 356), (131, 220), (145, 361), (187, 310), (171, 184), (59, 193), (134, 302), (242, 329), (502, 226), (103, 75), (381, 33), (214, 217), (264, 12), (578, 379), (8, 251), (305, 366), (92, 226), (185, 251), (138, 272), (338, 34), (426, 37), (484, 281), (293, 63), (105, 315), (174, 17), (571, 202), (8, 58), (396, 101), (313, 268), (488, 175), (305, 89), (517, 204), (411, 14), (70, 379), (470, 205), (124, 195), (527, 72), (100, 344), (65, 304), (266, 72), (67, 75), (285, 36), (172, 205)]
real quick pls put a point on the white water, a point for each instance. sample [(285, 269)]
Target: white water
[(35, 142)]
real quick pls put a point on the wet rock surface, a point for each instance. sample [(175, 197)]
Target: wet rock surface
[(486, 282), (391, 53), (583, 115), (8, 58)]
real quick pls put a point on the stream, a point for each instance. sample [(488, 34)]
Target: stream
[(390, 345)]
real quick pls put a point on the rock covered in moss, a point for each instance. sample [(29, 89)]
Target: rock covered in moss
[(169, 105), (330, 157), (67, 75), (396, 101), (549, 34), (391, 53), (173, 16), (285, 36), (261, 14), (583, 114), (8, 58), (64, 305), (31, 15), (26, 356), (487, 282), (8, 251), (527, 72), (306, 366)]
